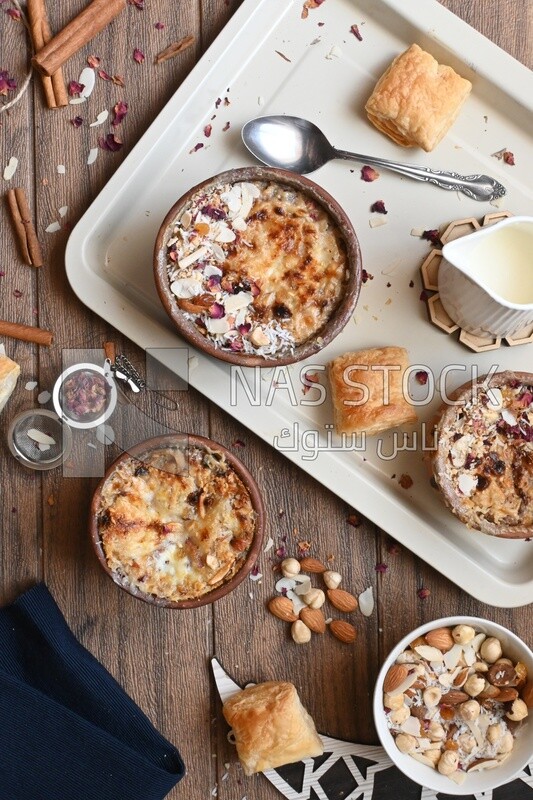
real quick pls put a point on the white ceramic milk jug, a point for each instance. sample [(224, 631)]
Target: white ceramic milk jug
[(486, 278)]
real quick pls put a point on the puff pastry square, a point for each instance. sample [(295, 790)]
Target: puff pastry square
[(416, 100), (367, 390), (271, 726), (9, 372)]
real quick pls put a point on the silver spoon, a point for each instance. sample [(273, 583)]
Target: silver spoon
[(299, 146)]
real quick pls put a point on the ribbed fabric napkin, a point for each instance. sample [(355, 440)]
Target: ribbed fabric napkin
[(68, 731)]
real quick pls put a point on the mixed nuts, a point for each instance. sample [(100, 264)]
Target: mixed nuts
[(454, 701)]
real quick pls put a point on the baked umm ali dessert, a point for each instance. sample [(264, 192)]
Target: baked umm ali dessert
[(483, 461), (271, 726), (367, 389), (416, 100), (178, 521), (258, 265)]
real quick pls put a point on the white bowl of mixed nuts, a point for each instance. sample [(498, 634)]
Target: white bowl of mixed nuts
[(453, 705)]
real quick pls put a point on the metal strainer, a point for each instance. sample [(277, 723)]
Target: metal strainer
[(38, 439)]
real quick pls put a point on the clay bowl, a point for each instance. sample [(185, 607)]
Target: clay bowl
[(491, 467), (180, 441), (351, 279)]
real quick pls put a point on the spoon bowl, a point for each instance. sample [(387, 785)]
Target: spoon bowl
[(297, 145)]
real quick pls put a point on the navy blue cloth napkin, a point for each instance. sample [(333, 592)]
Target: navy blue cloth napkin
[(68, 731)]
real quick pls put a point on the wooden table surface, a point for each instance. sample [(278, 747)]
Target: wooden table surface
[(162, 657)]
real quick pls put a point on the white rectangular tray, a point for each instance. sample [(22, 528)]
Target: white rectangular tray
[(270, 60)]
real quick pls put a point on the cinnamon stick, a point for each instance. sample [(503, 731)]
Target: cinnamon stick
[(76, 34), (30, 248), (26, 333), (173, 49), (55, 91)]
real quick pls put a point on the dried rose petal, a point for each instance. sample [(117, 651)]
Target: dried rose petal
[(76, 121), (432, 236), (421, 376), (356, 32), (244, 329), (405, 481), (213, 283), (240, 443), (353, 520), (394, 548), (310, 4), (526, 398), (236, 345), (379, 207), (7, 84), (93, 61), (120, 109), (310, 377), (118, 80), (197, 146), (423, 593), (207, 131), (216, 311), (75, 88), (138, 56), (381, 568), (369, 174), (159, 26), (411, 284), (137, 3), (218, 102), (508, 157), (14, 13), (17, 293), (104, 75), (110, 142), (366, 276), (423, 295), (226, 126)]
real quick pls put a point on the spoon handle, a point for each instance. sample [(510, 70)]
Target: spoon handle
[(478, 187)]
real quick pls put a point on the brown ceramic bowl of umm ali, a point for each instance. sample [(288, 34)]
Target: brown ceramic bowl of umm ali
[(483, 461), (177, 521), (258, 267)]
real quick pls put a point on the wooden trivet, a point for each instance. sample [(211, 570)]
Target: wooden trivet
[(430, 280), (348, 771)]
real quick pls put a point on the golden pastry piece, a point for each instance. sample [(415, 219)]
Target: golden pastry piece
[(271, 726), (9, 372), (367, 390), (416, 100)]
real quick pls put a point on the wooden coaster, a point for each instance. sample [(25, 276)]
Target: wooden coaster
[(430, 280)]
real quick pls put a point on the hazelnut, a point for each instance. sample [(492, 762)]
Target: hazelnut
[(399, 715), (462, 634), (300, 633), (518, 711), (393, 701), (507, 743), (314, 598), (466, 742), (431, 696), (332, 579), (290, 567), (469, 710), (491, 650), (433, 756), (474, 685), (405, 742), (436, 732), (494, 733), (480, 666), (504, 661), (448, 762)]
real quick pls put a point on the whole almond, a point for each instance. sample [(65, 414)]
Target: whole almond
[(461, 677), (312, 565), (441, 638), (343, 631), (454, 697), (314, 619), (343, 601), (282, 608), (507, 695), (395, 677)]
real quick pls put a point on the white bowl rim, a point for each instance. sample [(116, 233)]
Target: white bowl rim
[(484, 781)]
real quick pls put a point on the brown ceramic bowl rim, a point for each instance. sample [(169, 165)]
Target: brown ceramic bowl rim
[(446, 415), (341, 314), (161, 442)]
